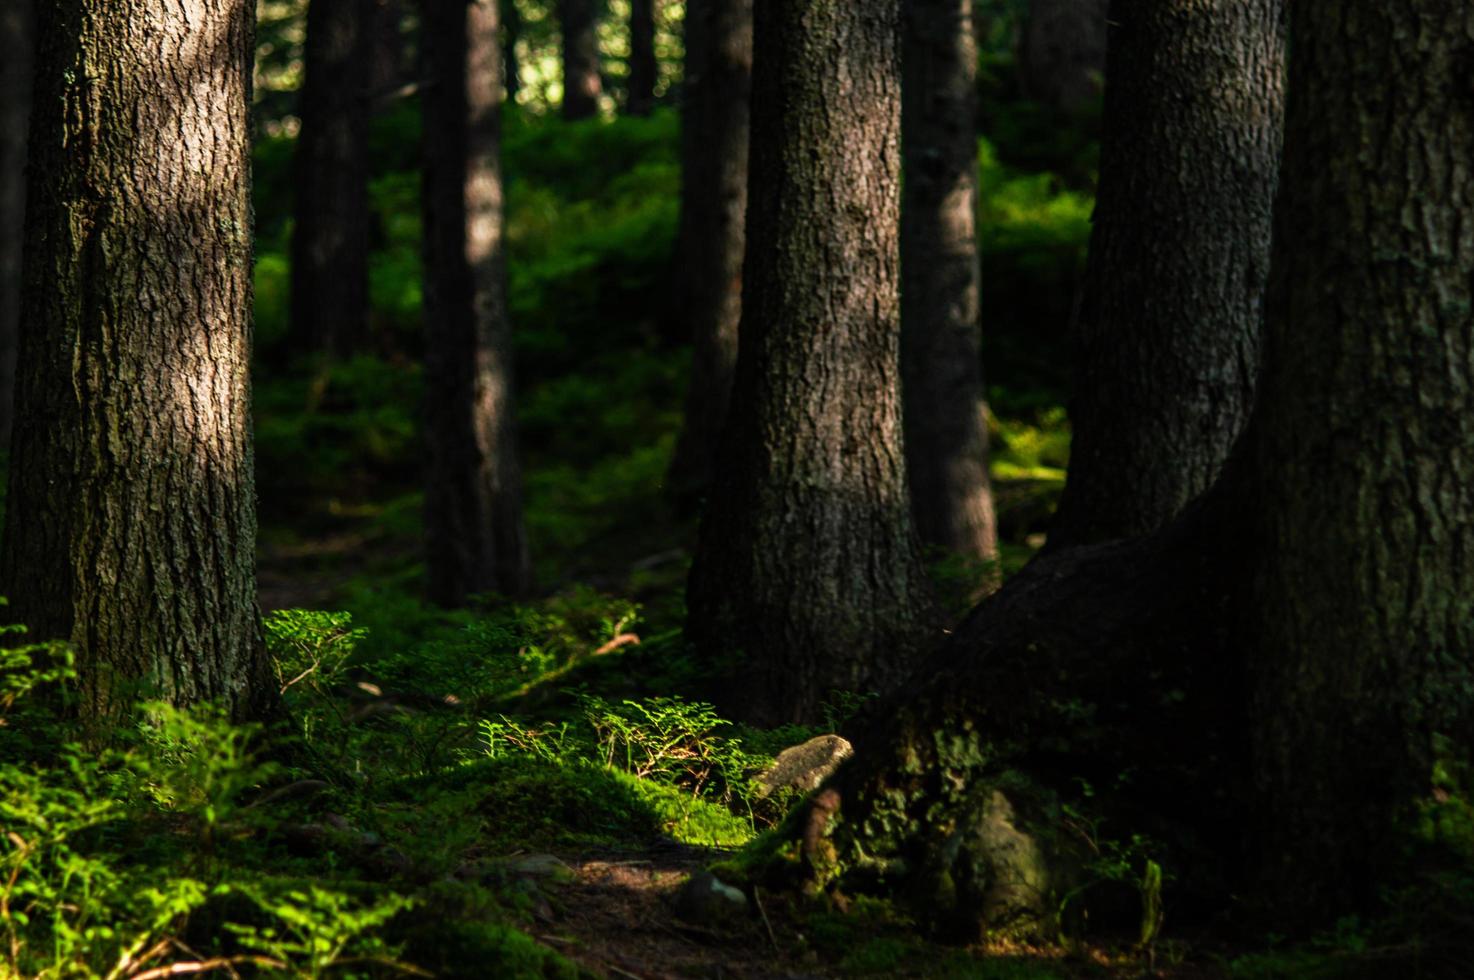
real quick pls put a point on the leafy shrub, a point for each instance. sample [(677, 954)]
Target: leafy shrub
[(335, 428), (1032, 236), (91, 884)]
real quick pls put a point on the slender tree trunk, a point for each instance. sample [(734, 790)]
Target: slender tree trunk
[(643, 68), (1062, 51), (946, 416), (808, 565), (329, 300), (1167, 340), (1365, 446), (1313, 608), (473, 497), (511, 32), (131, 519), (388, 71), (16, 25), (582, 84), (711, 237)]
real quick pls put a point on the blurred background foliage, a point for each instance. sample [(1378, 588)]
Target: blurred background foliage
[(602, 354)]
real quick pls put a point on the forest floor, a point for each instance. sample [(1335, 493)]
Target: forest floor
[(616, 908)]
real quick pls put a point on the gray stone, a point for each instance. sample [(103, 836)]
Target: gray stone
[(544, 866), (1010, 876), (705, 900), (804, 767)]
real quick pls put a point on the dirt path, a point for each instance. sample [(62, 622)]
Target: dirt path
[(619, 920)]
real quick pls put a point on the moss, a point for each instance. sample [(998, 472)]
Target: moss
[(772, 859), (875, 937), (689, 819), (453, 935)]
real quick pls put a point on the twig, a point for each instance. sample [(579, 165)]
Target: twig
[(622, 640), (204, 966), (408, 968), (623, 973), (757, 899), (131, 959), (187, 951)]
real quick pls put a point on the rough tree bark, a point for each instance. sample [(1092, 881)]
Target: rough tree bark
[(807, 564), (711, 236), (329, 290), (582, 84), (16, 24), (946, 416), (474, 534), (131, 519), (1167, 339), (643, 69), (1365, 444), (1300, 635), (1062, 52)]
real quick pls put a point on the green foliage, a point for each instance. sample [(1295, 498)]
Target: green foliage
[(459, 930), (664, 752), (97, 877), (310, 647), (317, 929), (1032, 236), (196, 764), (1024, 450), (328, 429)]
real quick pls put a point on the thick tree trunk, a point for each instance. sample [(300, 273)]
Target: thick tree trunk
[(131, 519), (643, 69), (1091, 663), (1167, 340), (1365, 446), (329, 300), (1303, 629), (16, 25), (808, 564), (946, 416), (582, 84), (1062, 51), (711, 237), (473, 497)]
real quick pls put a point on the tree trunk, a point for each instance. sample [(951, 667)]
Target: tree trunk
[(1167, 340), (643, 68), (711, 237), (473, 498), (329, 300), (946, 416), (388, 72), (131, 519), (16, 22), (511, 32), (1092, 664), (582, 84), (1062, 51), (808, 564), (1307, 621), (1364, 609)]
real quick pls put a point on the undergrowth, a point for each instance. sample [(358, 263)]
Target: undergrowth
[(320, 846)]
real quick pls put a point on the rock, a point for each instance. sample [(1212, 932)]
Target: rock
[(705, 900), (1006, 878), (542, 867), (804, 767)]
